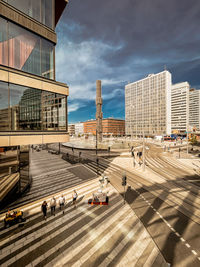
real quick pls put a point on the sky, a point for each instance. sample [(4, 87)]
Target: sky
[(121, 41)]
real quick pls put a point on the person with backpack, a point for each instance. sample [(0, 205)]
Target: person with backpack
[(74, 198), (62, 203), (53, 206)]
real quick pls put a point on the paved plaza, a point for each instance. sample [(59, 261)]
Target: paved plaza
[(84, 236)]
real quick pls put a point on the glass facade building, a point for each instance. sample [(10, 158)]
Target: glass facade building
[(33, 105)]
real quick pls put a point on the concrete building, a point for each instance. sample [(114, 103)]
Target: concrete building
[(110, 127), (79, 129), (194, 109), (148, 105), (180, 107), (33, 105)]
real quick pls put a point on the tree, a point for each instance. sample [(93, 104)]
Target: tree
[(193, 140)]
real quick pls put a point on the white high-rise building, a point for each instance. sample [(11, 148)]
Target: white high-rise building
[(194, 109), (148, 105), (180, 107)]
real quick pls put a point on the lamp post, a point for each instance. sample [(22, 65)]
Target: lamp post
[(96, 142), (124, 185), (187, 141), (143, 153)]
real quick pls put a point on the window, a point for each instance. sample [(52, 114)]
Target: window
[(27, 110), (23, 50)]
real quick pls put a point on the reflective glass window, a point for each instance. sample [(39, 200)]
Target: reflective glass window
[(26, 105), (47, 59), (8, 161), (3, 42), (40, 10), (46, 10), (32, 109), (4, 107), (24, 50)]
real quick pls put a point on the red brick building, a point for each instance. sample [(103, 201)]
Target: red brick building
[(110, 127)]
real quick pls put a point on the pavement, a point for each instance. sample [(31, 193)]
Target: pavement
[(167, 206), (147, 231), (84, 236)]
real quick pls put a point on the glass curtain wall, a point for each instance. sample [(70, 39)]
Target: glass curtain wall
[(26, 51), (40, 10), (28, 109)]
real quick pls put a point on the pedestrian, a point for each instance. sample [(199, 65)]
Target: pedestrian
[(62, 203), (74, 198), (140, 162), (44, 209), (53, 206)]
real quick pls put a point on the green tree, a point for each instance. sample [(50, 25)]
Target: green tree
[(193, 140)]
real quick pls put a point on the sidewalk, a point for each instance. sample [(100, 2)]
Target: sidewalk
[(86, 236)]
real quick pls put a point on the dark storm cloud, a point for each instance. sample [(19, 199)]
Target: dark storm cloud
[(121, 41)]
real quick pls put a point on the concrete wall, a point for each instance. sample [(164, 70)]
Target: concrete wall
[(25, 79), (33, 138)]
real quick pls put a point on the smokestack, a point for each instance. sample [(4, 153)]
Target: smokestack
[(99, 114)]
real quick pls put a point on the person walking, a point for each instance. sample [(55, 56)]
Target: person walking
[(62, 203), (44, 209), (53, 206), (74, 198)]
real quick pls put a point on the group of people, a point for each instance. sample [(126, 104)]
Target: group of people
[(61, 202)]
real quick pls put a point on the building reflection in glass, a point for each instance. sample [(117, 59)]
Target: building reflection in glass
[(23, 108)]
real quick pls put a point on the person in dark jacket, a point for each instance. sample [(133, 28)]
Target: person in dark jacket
[(44, 209)]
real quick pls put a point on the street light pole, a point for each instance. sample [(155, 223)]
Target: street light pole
[(187, 142), (96, 142), (143, 153)]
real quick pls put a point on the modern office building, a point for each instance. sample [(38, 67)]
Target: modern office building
[(194, 109), (180, 107), (148, 105), (33, 105), (110, 127)]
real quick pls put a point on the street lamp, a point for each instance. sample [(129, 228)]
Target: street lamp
[(124, 185), (143, 152)]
